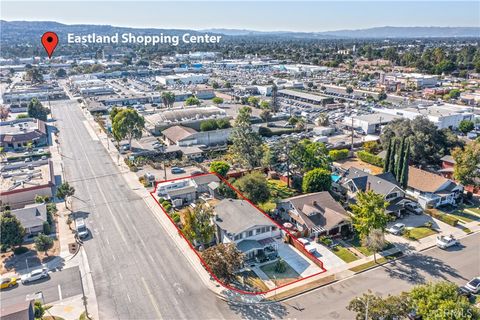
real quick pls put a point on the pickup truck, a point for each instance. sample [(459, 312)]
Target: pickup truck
[(444, 242)]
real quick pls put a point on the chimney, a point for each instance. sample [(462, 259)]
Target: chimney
[(368, 185)]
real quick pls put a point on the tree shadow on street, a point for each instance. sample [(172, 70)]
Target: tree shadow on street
[(254, 307), (413, 268)]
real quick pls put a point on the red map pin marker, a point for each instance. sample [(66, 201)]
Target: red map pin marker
[(49, 41)]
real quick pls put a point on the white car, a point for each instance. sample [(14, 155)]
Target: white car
[(444, 242), (304, 241), (35, 275), (310, 248), (396, 229), (474, 285)]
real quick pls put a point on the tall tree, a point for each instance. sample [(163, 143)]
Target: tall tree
[(467, 161), (64, 191), (198, 225), (399, 159), (254, 187), (128, 124), (11, 230), (43, 243), (4, 112), (393, 154), (317, 180), (220, 167), (391, 307), (369, 213), (36, 110), (307, 155), (405, 164), (224, 260), (386, 162), (168, 99), (375, 241), (246, 143)]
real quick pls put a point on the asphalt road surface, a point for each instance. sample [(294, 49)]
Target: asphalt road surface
[(138, 272), (61, 285), (458, 265)]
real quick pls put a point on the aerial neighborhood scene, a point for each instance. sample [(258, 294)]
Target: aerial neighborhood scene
[(321, 161)]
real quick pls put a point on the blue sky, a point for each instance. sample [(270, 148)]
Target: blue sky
[(254, 15)]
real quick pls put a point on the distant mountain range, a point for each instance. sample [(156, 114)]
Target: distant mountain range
[(377, 32), (25, 31)]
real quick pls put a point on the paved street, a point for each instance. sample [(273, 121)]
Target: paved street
[(137, 271), (458, 265), (61, 285)]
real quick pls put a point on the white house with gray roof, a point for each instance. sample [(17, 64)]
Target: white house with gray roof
[(32, 218), (240, 222)]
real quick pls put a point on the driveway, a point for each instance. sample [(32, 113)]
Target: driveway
[(413, 221), (329, 259), (301, 264), (159, 173)]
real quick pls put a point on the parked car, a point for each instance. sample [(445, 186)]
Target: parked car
[(396, 229), (177, 170), (414, 207), (303, 241), (444, 242), (473, 285), (8, 283), (197, 172), (81, 228), (35, 275), (464, 292)]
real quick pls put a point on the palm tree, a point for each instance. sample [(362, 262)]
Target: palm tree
[(301, 124), (322, 119)]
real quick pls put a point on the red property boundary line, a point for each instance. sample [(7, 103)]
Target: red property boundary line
[(199, 255)]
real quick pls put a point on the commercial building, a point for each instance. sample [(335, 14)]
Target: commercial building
[(191, 116), (17, 134), (21, 182), (184, 136), (20, 94), (409, 80), (443, 116), (370, 123), (305, 97), (185, 78)]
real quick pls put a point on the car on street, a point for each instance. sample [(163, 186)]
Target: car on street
[(414, 208), (177, 170), (35, 275), (444, 242), (396, 229), (8, 283), (81, 228), (196, 172), (473, 285)]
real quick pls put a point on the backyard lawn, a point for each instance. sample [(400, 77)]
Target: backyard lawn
[(344, 254), (419, 233), (280, 278), (279, 189)]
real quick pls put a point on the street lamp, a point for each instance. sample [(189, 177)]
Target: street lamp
[(84, 298)]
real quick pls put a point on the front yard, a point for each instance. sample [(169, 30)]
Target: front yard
[(280, 278), (418, 233), (252, 280), (344, 254)]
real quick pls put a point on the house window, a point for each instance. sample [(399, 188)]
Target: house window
[(391, 196), (237, 237), (250, 233), (274, 228), (259, 230)]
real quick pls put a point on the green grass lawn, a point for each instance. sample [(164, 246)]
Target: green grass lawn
[(357, 243), (344, 254), (464, 216), (475, 210), (267, 206), (420, 233), (279, 189), (281, 278)]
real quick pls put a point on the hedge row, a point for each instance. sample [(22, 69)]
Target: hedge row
[(340, 154), (443, 217), (370, 158)]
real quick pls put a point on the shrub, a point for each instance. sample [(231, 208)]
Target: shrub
[(326, 241), (280, 266), (370, 158), (133, 168), (167, 207), (47, 229), (176, 217), (443, 217), (336, 155), (428, 224), (20, 250)]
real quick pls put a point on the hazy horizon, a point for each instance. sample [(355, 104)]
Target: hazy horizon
[(306, 16)]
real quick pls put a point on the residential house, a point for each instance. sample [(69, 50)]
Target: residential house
[(356, 180), (432, 190), (185, 191), (238, 221), (20, 310), (448, 164), (315, 214), (32, 218), (17, 134)]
